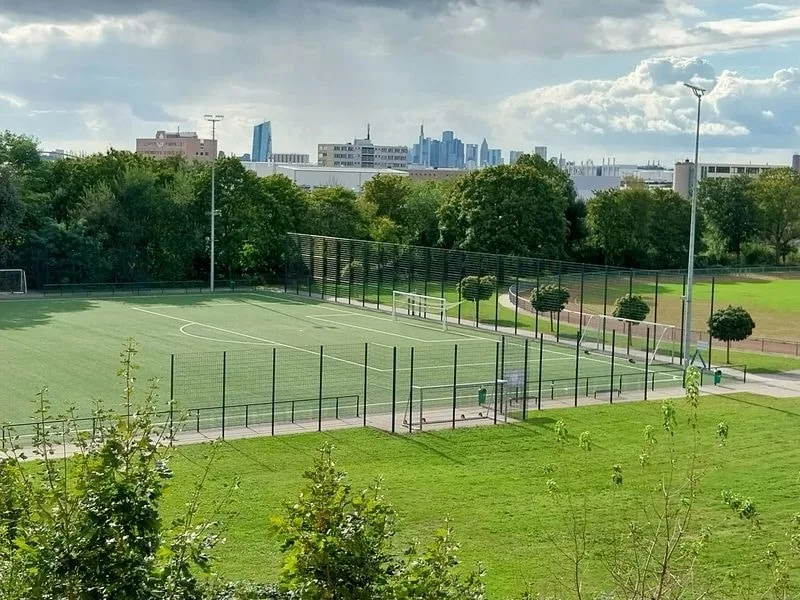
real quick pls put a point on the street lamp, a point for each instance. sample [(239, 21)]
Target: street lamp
[(687, 325), (213, 119)]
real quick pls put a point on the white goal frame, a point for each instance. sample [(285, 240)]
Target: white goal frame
[(23, 281), (415, 407), (414, 305), (662, 332)]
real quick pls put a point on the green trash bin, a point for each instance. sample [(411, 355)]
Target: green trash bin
[(482, 396), (717, 377)]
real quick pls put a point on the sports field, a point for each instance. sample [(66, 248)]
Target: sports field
[(225, 347)]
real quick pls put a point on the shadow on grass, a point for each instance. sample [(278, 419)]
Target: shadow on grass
[(741, 400), (22, 314)]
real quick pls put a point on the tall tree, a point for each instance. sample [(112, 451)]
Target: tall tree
[(19, 151), (668, 230), (11, 215), (516, 210), (730, 211), (618, 223), (777, 193), (389, 194), (335, 211)]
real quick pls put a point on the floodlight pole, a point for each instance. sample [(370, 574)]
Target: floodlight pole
[(687, 325), (213, 119)]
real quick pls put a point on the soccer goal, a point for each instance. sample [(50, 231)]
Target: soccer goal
[(13, 281), (432, 404), (597, 332), (418, 306)]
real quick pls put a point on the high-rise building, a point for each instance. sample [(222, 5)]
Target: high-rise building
[(289, 158), (362, 153), (447, 153), (495, 157), (262, 142), (796, 162), (540, 151), (471, 153), (179, 143), (484, 155), (513, 155)]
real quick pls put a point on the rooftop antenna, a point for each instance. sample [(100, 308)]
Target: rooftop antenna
[(367, 130)]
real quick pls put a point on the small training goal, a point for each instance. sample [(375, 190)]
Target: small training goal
[(408, 304), (442, 403), (13, 281)]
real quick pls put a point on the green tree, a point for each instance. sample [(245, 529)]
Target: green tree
[(19, 151), (12, 212), (419, 221), (334, 211), (777, 193), (388, 194), (730, 211), (474, 289), (94, 530), (517, 210), (731, 324), (618, 222), (549, 298), (633, 308), (668, 230)]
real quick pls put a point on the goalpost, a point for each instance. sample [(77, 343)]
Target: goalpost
[(416, 305), (597, 331), (13, 281), (431, 404)]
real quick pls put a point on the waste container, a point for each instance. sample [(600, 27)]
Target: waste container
[(717, 377), (482, 396)]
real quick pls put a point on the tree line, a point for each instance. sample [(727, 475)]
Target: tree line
[(122, 217)]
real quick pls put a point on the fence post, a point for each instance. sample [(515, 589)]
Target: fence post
[(444, 273), (411, 393), (319, 412), (646, 361), (463, 274), (710, 337), (500, 275), (427, 269), (338, 270), (541, 358), (366, 358), (287, 254), (578, 341), (455, 384), (655, 309), (410, 271), (364, 274), (312, 244), (171, 395), (558, 317), (605, 308), (272, 413), (324, 266), (224, 385), (350, 274), (683, 322), (613, 357), (380, 273), (525, 383), (496, 376), (516, 302), (394, 385), (536, 312)]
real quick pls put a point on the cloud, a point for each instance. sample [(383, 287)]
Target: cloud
[(651, 102)]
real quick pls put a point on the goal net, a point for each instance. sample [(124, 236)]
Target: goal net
[(660, 341), (408, 304), (13, 281), (431, 404)]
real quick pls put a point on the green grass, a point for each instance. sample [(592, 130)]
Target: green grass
[(72, 346), (492, 482)]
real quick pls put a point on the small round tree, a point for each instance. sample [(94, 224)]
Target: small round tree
[(550, 298), (731, 324), (475, 289), (633, 308)]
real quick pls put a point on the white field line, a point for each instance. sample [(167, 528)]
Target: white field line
[(252, 337)]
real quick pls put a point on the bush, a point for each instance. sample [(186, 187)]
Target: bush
[(731, 324)]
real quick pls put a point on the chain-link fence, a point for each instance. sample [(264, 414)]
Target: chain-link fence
[(367, 273)]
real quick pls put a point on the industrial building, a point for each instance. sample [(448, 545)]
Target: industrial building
[(178, 143), (362, 154), (684, 175), (310, 177)]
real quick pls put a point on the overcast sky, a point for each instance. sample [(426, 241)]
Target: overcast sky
[(589, 79)]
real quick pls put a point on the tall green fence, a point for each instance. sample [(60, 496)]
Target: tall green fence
[(366, 273)]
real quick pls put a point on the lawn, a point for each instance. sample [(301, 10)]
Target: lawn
[(492, 483)]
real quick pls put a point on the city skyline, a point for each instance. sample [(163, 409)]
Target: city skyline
[(605, 80)]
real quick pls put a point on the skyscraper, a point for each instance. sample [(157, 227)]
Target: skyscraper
[(484, 156), (514, 155), (495, 157), (471, 154), (796, 162), (540, 151), (262, 142)]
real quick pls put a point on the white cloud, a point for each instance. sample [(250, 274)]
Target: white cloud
[(651, 102)]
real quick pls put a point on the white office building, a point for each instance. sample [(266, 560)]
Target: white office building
[(684, 175), (310, 177), (362, 153)]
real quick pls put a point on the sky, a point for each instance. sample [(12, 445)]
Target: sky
[(589, 79)]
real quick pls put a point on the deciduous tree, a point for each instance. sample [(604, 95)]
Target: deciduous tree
[(731, 324), (730, 211), (777, 193)]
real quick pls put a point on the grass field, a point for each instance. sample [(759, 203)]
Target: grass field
[(492, 482), (72, 346)]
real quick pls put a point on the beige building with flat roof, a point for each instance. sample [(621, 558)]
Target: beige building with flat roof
[(362, 153), (179, 143)]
